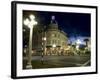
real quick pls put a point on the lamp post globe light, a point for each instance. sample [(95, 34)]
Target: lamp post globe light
[(30, 22)]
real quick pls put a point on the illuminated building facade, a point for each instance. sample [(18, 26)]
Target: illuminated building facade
[(49, 40)]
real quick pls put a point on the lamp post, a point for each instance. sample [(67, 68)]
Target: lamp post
[(44, 45), (30, 22), (44, 48)]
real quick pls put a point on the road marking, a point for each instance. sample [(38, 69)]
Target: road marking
[(85, 63)]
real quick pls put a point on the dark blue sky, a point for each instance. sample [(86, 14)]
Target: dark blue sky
[(74, 24)]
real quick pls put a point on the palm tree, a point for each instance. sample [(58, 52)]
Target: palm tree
[(86, 41)]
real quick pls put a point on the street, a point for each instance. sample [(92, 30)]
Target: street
[(58, 61)]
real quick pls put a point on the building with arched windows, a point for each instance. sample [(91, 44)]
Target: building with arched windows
[(49, 40)]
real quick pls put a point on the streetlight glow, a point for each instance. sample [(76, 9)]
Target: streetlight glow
[(33, 22), (32, 17), (30, 23), (53, 45), (44, 38), (26, 22), (78, 41), (77, 47)]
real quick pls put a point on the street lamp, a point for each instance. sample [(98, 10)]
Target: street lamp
[(30, 22), (53, 45), (44, 38)]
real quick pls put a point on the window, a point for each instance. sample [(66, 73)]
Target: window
[(53, 35)]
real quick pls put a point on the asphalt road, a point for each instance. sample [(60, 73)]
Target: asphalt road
[(58, 61)]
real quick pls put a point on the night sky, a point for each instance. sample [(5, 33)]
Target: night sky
[(74, 24)]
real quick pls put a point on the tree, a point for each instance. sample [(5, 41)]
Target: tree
[(86, 41)]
